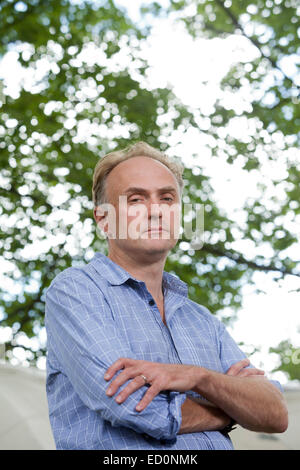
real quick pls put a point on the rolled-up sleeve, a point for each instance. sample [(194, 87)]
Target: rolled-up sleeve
[(85, 341)]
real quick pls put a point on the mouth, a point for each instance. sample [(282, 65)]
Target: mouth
[(156, 229)]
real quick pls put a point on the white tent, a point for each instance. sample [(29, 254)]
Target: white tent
[(289, 440), (24, 422)]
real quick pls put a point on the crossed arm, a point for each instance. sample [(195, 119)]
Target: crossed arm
[(85, 344), (242, 394)]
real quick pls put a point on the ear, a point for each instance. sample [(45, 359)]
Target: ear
[(100, 216)]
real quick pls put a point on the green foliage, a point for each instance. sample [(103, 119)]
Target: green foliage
[(44, 149), (272, 28), (84, 101), (272, 109), (289, 359)]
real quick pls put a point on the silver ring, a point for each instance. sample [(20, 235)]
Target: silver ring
[(145, 378)]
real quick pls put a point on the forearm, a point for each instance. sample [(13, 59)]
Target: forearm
[(252, 401), (198, 417)]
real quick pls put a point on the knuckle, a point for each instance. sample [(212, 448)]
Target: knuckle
[(135, 370), (138, 381), (116, 384), (124, 360), (122, 377)]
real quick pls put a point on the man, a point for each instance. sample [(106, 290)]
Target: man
[(132, 362)]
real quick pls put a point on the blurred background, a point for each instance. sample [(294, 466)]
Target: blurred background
[(214, 84)]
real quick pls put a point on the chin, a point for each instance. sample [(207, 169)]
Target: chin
[(147, 245), (157, 244)]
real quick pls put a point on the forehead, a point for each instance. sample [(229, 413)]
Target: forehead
[(141, 172)]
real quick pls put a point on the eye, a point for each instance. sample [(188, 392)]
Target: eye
[(135, 199), (168, 198)]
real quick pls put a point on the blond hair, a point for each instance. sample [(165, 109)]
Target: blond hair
[(112, 159)]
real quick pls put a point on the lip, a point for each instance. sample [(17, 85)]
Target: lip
[(160, 229)]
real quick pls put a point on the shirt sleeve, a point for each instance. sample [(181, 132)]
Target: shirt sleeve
[(85, 340), (230, 353)]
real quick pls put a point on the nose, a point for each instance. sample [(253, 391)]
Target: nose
[(154, 209)]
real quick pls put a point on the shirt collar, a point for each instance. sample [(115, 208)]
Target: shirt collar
[(116, 275)]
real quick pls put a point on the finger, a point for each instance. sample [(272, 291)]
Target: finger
[(148, 397), (235, 368), (123, 377), (135, 384), (248, 372), (117, 365)]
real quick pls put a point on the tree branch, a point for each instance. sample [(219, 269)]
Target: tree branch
[(36, 297), (234, 20), (239, 259)]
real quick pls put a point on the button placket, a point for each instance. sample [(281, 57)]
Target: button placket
[(167, 334), (163, 328)]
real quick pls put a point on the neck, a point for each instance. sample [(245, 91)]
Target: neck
[(148, 270)]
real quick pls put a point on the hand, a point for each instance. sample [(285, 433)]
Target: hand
[(179, 377), (236, 370), (239, 369), (160, 376)]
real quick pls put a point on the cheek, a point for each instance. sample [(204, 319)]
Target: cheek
[(122, 223), (131, 222)]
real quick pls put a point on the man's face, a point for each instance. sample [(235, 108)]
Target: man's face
[(148, 214)]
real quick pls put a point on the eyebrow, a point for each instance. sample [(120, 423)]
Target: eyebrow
[(165, 189)]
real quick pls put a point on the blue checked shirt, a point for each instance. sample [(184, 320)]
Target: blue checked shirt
[(96, 314)]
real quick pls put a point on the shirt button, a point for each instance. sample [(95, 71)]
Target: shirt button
[(166, 442), (151, 302)]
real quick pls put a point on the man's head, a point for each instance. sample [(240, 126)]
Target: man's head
[(150, 185)]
